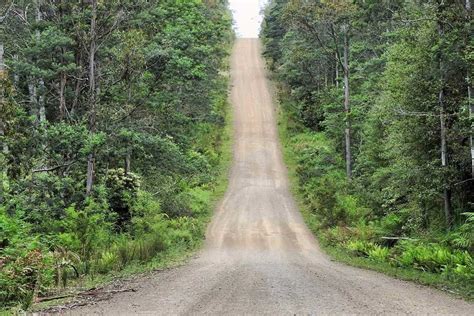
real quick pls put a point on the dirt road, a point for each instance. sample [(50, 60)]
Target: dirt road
[(259, 257)]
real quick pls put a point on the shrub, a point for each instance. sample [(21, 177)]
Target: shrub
[(66, 262), (186, 230), (145, 211), (463, 237), (23, 277), (85, 230), (123, 191), (108, 260), (153, 238), (24, 263), (389, 225), (359, 247), (379, 253), (336, 236), (432, 257)]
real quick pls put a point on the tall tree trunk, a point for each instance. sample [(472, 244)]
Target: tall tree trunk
[(5, 149), (78, 83), (92, 95), (337, 70), (62, 97), (128, 160), (444, 160), (469, 89), (2, 62), (41, 89), (41, 104), (62, 76), (3, 76), (471, 118), (347, 105), (443, 129), (33, 98), (16, 77)]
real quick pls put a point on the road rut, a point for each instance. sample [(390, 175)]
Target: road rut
[(259, 257)]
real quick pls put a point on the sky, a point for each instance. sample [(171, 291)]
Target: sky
[(247, 16)]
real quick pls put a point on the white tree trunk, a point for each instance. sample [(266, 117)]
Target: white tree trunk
[(128, 162), (2, 62), (471, 117), (62, 97), (33, 98), (347, 105), (5, 148), (444, 163), (41, 90), (42, 108), (92, 95), (16, 78), (469, 96), (443, 131)]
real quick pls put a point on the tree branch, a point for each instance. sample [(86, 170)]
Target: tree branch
[(48, 169), (4, 16)]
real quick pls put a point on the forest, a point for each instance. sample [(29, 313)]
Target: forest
[(378, 117), (115, 145), (112, 126)]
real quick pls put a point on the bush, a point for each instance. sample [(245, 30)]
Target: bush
[(66, 263), (108, 261), (186, 230), (433, 258), (123, 191), (145, 211), (24, 267), (336, 236), (360, 248), (86, 230), (463, 237), (379, 253)]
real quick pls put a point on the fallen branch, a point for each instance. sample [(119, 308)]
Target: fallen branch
[(397, 238), (91, 292), (98, 292), (53, 298)]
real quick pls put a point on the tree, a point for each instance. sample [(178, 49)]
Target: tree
[(131, 98), (92, 93), (408, 129), (329, 23)]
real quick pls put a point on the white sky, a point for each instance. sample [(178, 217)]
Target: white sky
[(247, 16)]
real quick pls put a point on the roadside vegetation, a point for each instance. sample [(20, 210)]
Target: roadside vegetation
[(376, 120), (113, 135)]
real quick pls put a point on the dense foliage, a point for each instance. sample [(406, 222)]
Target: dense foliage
[(377, 100), (110, 125)]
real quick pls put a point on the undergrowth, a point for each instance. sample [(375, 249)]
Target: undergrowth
[(349, 232), (91, 250)]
